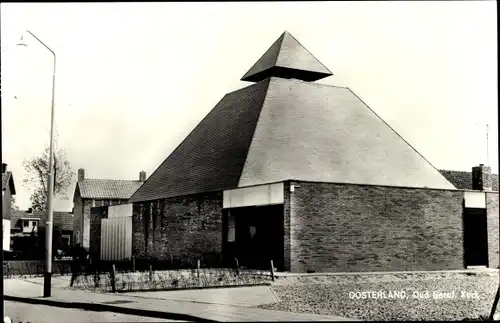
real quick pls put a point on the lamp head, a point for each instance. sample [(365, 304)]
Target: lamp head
[(22, 43)]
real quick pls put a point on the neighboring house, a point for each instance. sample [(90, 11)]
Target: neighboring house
[(26, 222), (307, 175), (8, 189), (463, 180), (98, 192)]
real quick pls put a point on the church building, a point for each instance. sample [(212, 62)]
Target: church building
[(307, 175)]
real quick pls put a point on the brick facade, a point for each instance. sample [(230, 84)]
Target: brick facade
[(344, 227), (85, 232), (328, 227), (287, 226), (7, 204), (186, 226), (493, 225), (97, 214), (77, 220), (82, 219)]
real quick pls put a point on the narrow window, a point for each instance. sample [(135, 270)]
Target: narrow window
[(230, 229)]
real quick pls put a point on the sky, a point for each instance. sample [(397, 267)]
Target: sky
[(133, 79)]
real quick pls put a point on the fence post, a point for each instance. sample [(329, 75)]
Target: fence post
[(150, 272), (237, 266), (198, 268), (133, 263), (495, 303), (113, 279), (272, 270), (96, 284)]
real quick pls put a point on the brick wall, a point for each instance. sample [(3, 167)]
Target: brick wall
[(7, 204), (286, 226), (77, 220), (344, 227), (96, 215), (87, 204), (493, 224), (183, 226)]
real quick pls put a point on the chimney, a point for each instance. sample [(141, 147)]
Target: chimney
[(30, 210), (481, 178), (81, 174), (4, 168), (142, 176)]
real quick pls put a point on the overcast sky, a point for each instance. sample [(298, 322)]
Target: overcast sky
[(133, 79)]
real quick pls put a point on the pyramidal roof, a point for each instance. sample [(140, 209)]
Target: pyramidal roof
[(287, 58), (286, 129)]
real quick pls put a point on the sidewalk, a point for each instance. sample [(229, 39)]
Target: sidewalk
[(31, 291)]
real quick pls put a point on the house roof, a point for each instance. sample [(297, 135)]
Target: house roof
[(106, 188), (8, 179), (62, 219), (287, 58), (463, 180), (280, 129)]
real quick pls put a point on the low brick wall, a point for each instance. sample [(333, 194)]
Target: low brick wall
[(349, 228)]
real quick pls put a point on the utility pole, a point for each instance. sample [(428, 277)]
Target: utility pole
[(487, 142), (47, 279), (487, 146)]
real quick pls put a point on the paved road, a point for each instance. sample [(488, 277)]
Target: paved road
[(29, 313)]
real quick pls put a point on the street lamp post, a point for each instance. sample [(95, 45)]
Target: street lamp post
[(50, 183)]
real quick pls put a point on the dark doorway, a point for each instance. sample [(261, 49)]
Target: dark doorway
[(475, 237), (258, 236)]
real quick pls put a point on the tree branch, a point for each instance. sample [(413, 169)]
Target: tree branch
[(41, 176)]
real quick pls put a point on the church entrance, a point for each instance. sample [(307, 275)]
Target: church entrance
[(255, 236), (475, 237)]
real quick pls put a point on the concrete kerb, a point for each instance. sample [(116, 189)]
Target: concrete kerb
[(99, 307), (188, 288), (374, 273)]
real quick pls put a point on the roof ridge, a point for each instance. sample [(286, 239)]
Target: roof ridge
[(307, 50), (269, 81), (280, 39), (401, 137), (179, 146), (110, 179)]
